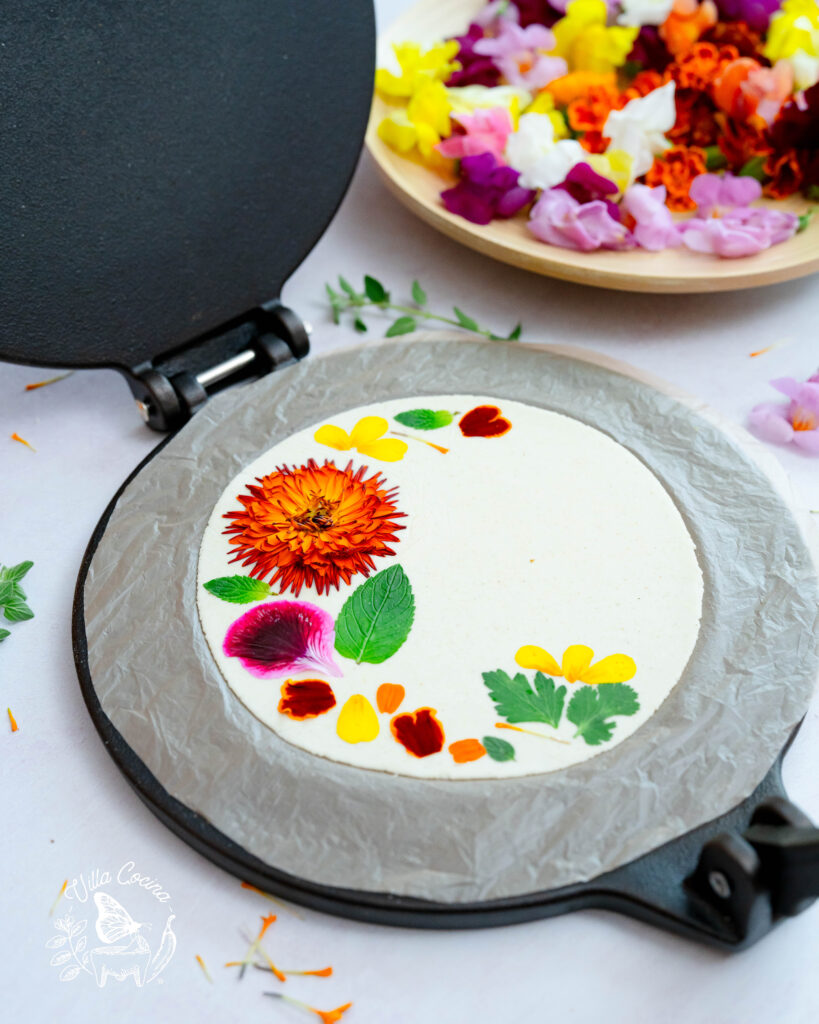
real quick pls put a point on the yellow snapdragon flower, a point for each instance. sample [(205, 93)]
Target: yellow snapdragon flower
[(418, 67), (544, 103), (422, 125), (586, 43), (794, 27)]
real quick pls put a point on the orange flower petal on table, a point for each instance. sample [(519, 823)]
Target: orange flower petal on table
[(306, 698), (388, 697), (419, 732), (466, 750)]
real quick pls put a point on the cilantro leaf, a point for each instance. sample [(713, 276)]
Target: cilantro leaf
[(238, 589), (376, 618), (516, 700), (591, 707), (424, 419), (499, 750)]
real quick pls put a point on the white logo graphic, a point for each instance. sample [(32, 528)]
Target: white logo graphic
[(124, 951)]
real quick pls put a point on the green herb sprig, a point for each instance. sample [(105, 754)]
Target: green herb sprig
[(375, 296), (12, 595)]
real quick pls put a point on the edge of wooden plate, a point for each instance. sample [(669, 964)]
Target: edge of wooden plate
[(671, 271)]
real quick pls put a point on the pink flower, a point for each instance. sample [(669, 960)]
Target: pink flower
[(585, 185), (654, 228), (740, 232), (486, 132), (558, 218), (797, 422), (283, 638), (713, 191), (486, 190), (520, 54)]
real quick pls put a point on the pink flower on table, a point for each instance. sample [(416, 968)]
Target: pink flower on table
[(795, 423), (521, 55), (740, 232), (713, 192), (654, 227), (559, 219), (486, 189), (486, 132)]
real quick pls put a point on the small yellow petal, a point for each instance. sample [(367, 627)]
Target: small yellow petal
[(397, 131), (357, 721), (616, 668), (333, 437), (529, 656), (386, 450), (368, 429), (576, 659)]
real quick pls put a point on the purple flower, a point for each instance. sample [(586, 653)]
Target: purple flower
[(795, 423), (486, 190), (654, 227), (558, 218), (741, 232), (538, 12), (282, 638), (755, 13), (649, 50), (712, 192), (585, 185), (475, 68), (517, 53)]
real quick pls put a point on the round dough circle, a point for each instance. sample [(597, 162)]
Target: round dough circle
[(551, 534)]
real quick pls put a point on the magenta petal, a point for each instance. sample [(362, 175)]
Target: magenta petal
[(807, 440), (770, 422), (283, 638), (705, 190)]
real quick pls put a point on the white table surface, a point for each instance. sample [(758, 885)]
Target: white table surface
[(67, 810)]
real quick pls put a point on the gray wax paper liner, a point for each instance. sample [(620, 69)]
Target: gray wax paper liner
[(746, 686)]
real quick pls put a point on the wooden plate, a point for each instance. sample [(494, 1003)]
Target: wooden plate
[(674, 270)]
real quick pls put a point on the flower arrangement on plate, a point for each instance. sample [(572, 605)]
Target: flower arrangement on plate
[(617, 124)]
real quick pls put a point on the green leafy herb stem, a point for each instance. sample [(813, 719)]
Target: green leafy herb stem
[(517, 700)]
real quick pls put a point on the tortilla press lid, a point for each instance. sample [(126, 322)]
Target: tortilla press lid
[(167, 167)]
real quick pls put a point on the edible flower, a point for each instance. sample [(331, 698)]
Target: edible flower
[(558, 218), (325, 1016), (577, 665), (644, 12), (585, 185), (640, 127), (485, 131), (542, 160), (469, 98), (740, 232), (654, 228), (745, 89), (577, 84), (475, 69), (754, 13), (686, 23), (422, 125), (794, 28), (544, 103), (485, 190), (587, 43), (366, 437), (795, 423), (418, 67), (521, 54), (676, 169), (714, 193)]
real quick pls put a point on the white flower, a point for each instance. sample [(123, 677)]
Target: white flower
[(644, 12), (640, 126), (533, 152), (805, 69), (466, 99)]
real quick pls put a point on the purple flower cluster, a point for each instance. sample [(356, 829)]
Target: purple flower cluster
[(486, 189)]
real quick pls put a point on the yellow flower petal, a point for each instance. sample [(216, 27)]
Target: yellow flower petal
[(385, 450), (399, 132), (333, 437), (530, 656), (616, 668), (576, 659), (357, 721), (368, 429)]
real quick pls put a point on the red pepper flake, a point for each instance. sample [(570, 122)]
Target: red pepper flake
[(45, 383), (484, 421), (22, 440), (12, 720), (419, 732), (306, 698)]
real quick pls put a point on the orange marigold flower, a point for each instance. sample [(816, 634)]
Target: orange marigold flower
[(695, 124), (588, 113), (676, 169), (785, 172), (642, 84), (578, 83), (686, 23), (740, 143), (697, 67), (314, 525)]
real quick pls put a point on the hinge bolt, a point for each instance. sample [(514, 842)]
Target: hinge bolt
[(720, 885)]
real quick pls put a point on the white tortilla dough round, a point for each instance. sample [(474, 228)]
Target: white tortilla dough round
[(550, 535)]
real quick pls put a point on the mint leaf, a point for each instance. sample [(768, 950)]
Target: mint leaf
[(403, 325), (753, 169), (347, 287), (16, 572), (359, 325), (17, 610), (419, 296), (9, 591), (238, 589), (376, 618), (516, 700), (424, 419), (591, 707), (3, 634), (374, 290), (499, 750), (464, 320)]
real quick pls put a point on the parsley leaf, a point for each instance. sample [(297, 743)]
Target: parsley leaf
[(591, 707), (516, 700)]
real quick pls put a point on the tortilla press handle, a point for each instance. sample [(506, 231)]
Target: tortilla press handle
[(770, 871)]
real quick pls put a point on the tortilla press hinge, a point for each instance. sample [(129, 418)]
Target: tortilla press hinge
[(170, 388), (746, 883)]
